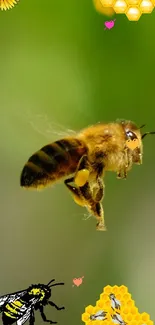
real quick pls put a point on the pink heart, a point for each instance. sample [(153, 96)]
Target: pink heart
[(109, 24), (77, 281)]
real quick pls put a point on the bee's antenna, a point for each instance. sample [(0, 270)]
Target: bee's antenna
[(50, 282), (57, 284), (144, 135), (142, 126)]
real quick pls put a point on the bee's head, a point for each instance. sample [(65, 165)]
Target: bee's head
[(40, 291), (111, 296), (133, 140)]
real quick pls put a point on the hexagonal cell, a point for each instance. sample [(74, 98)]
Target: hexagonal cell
[(130, 303), (100, 303), (85, 317), (115, 289), (105, 11), (89, 309), (120, 6), (104, 296), (134, 310), (145, 317), (125, 310), (126, 297), (146, 6), (108, 289), (133, 13), (107, 3), (129, 318), (150, 322), (123, 289)]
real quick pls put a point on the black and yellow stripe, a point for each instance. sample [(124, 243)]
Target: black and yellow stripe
[(13, 309), (52, 162)]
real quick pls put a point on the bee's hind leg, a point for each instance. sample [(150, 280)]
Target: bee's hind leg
[(75, 192), (95, 208)]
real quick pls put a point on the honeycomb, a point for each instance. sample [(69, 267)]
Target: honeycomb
[(115, 306), (133, 9)]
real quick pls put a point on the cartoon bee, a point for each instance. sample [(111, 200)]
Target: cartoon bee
[(100, 315), (82, 160), (117, 319), (115, 304), (19, 306)]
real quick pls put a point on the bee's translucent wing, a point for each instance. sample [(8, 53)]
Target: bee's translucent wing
[(48, 129), (99, 313)]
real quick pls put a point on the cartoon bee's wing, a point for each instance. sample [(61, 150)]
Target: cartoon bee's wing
[(25, 317), (99, 313), (100, 317), (27, 313), (11, 297)]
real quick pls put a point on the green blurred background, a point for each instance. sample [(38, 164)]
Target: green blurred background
[(59, 66)]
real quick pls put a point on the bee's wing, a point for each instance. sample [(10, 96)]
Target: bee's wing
[(25, 317), (49, 129), (101, 317), (27, 313), (99, 313), (11, 297)]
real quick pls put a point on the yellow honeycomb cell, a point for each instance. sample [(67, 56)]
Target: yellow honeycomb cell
[(145, 317), (89, 309), (133, 13), (120, 6), (126, 297), (104, 296), (115, 290), (108, 289), (146, 6), (123, 289), (103, 10), (134, 310), (107, 3), (85, 317)]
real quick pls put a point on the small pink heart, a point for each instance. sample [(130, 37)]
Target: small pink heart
[(109, 24), (78, 281)]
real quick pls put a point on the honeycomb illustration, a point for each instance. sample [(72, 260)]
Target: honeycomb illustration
[(133, 9), (115, 306)]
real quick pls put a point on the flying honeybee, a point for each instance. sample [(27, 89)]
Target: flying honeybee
[(82, 159), (18, 307)]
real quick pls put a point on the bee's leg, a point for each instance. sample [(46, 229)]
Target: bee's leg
[(32, 318), (98, 186), (95, 208), (82, 171), (51, 303), (41, 309), (122, 174), (74, 191)]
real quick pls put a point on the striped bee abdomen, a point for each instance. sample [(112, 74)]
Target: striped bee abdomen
[(52, 162), (12, 312)]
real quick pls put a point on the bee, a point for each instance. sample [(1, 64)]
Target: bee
[(18, 307), (117, 319), (115, 304), (100, 315), (82, 160)]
